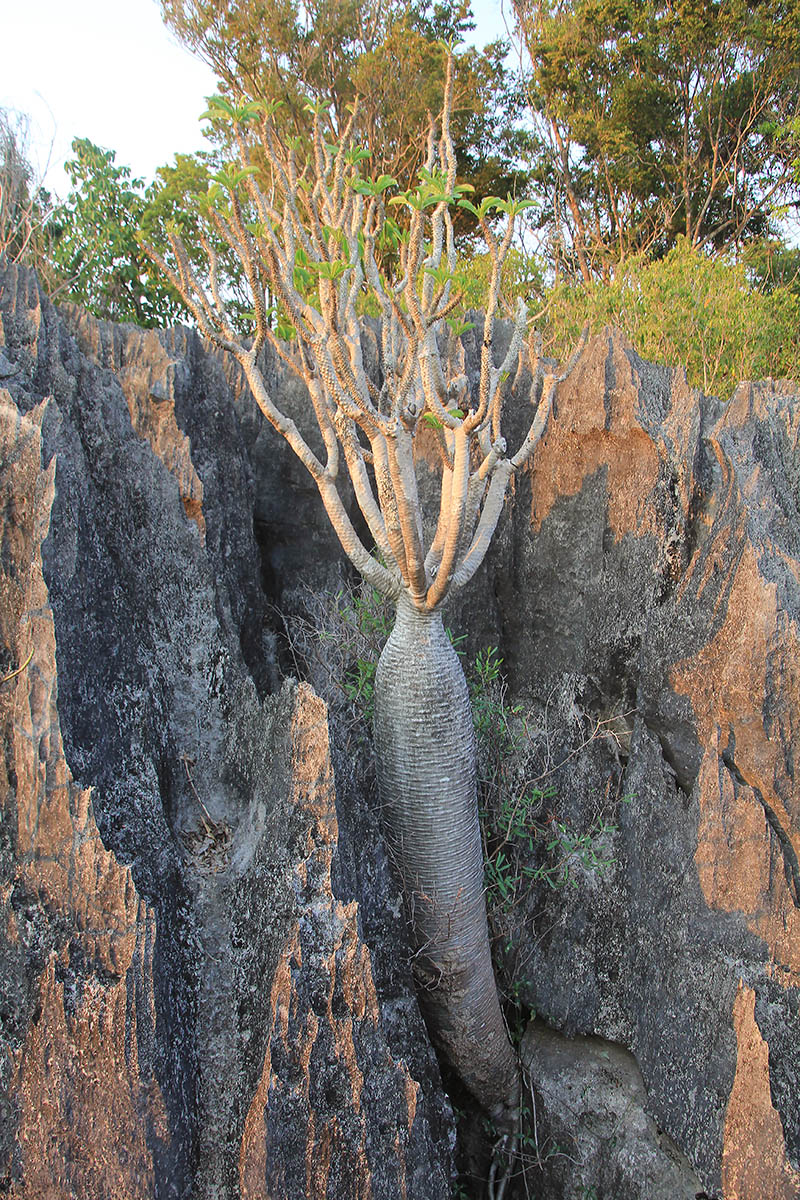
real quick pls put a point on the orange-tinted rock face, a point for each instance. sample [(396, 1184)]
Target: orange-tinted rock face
[(749, 833), (653, 582), (84, 1114), (335, 1029), (754, 1165), (744, 689), (598, 430)]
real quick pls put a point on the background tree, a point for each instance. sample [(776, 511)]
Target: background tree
[(659, 120), (314, 247), (24, 204), (95, 250), (173, 197), (389, 53)]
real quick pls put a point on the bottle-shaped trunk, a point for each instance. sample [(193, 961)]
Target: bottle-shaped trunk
[(425, 757)]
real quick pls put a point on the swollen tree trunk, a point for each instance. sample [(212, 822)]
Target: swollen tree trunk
[(425, 758), (310, 203)]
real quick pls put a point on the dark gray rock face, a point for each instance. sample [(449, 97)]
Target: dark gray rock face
[(646, 586), (644, 591), (258, 1055)]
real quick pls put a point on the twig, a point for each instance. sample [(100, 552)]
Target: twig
[(597, 732), (18, 671), (209, 821)]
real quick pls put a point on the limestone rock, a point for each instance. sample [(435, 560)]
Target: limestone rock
[(646, 587), (188, 1004), (82, 1107), (644, 590)]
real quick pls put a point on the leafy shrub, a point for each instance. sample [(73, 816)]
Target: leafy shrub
[(525, 841), (522, 276), (687, 310), (336, 639)]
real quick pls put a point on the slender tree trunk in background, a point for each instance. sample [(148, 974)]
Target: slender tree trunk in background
[(425, 759)]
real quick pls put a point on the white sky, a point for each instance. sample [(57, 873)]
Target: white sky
[(109, 70)]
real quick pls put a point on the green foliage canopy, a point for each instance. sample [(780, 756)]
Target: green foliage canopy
[(95, 250), (386, 52), (688, 309), (658, 120)]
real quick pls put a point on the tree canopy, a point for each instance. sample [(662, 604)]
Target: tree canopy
[(389, 53), (95, 249), (660, 120)]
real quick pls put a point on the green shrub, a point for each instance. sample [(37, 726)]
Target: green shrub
[(687, 310), (525, 842)]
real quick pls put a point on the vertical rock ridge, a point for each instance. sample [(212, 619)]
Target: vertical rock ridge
[(325, 1016), (147, 371), (79, 1097)]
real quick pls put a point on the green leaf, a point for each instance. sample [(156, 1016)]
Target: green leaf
[(356, 155), (490, 202), (219, 109), (441, 274), (303, 280), (332, 271)]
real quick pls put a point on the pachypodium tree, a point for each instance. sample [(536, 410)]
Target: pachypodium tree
[(316, 240)]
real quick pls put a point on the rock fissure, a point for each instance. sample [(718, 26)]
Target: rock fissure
[(782, 835)]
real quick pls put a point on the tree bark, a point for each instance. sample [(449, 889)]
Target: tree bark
[(425, 757)]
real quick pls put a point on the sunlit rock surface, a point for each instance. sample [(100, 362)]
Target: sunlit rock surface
[(199, 923)]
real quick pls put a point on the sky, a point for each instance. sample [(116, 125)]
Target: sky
[(110, 71)]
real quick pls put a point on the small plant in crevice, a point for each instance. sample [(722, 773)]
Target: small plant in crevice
[(521, 1158), (525, 841), (335, 640)]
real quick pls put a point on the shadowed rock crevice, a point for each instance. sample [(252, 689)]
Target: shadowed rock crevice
[(782, 834)]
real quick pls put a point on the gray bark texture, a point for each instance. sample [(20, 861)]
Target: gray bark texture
[(425, 762)]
